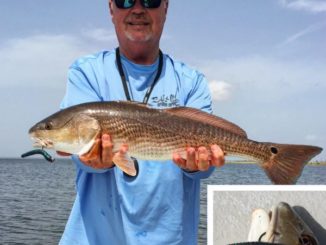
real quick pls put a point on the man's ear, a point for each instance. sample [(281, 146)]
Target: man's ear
[(166, 6), (110, 7)]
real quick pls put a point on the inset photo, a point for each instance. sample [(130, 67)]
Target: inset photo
[(288, 215)]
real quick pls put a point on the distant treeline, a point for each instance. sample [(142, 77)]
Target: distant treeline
[(318, 163), (313, 163)]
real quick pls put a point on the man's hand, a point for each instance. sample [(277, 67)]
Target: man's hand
[(100, 155), (200, 160)]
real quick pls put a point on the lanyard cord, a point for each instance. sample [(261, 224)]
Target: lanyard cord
[(124, 80)]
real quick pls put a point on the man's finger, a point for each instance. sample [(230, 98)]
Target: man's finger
[(107, 153), (203, 163), (191, 159), (218, 158), (179, 160), (123, 149)]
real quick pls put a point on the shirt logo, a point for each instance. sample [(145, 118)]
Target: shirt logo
[(165, 101)]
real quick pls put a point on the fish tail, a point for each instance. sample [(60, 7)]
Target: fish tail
[(286, 162)]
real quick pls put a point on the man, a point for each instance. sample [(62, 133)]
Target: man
[(161, 204)]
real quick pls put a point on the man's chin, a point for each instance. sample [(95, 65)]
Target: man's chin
[(138, 36)]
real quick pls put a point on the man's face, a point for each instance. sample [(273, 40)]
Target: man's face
[(138, 24)]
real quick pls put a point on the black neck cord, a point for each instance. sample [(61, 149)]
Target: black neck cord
[(124, 80)]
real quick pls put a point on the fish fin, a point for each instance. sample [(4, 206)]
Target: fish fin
[(132, 102), (125, 163), (198, 115), (286, 162)]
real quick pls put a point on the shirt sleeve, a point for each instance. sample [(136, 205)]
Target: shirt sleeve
[(80, 89), (199, 97)]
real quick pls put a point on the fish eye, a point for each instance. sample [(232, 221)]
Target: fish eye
[(48, 126), (274, 150)]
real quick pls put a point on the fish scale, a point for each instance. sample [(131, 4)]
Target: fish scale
[(153, 134)]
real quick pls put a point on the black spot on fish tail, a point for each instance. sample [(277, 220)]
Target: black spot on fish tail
[(286, 163), (274, 150)]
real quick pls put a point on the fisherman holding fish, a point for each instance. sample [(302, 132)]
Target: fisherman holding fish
[(126, 114), (160, 205)]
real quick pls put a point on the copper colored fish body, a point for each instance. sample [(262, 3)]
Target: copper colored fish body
[(153, 134)]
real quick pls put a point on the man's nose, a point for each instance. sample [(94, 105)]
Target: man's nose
[(138, 8)]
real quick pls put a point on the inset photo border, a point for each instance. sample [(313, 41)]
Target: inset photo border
[(230, 209)]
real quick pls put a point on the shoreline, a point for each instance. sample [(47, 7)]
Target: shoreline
[(313, 163)]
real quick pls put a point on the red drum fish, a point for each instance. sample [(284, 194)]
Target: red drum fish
[(155, 134)]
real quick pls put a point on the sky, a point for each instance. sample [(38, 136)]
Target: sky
[(265, 61)]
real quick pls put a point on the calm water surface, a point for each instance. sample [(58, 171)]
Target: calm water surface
[(36, 197)]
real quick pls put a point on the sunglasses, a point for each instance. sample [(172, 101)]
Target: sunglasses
[(126, 4)]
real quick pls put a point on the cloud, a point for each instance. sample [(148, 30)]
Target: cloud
[(40, 60), (220, 90), (306, 31), (43, 60), (314, 6), (100, 35), (264, 79)]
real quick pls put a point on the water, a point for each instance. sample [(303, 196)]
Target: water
[(35, 200), (36, 197)]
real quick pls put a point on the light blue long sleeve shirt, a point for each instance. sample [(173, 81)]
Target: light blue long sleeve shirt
[(161, 204)]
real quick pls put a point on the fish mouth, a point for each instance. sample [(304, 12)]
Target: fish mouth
[(41, 143)]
